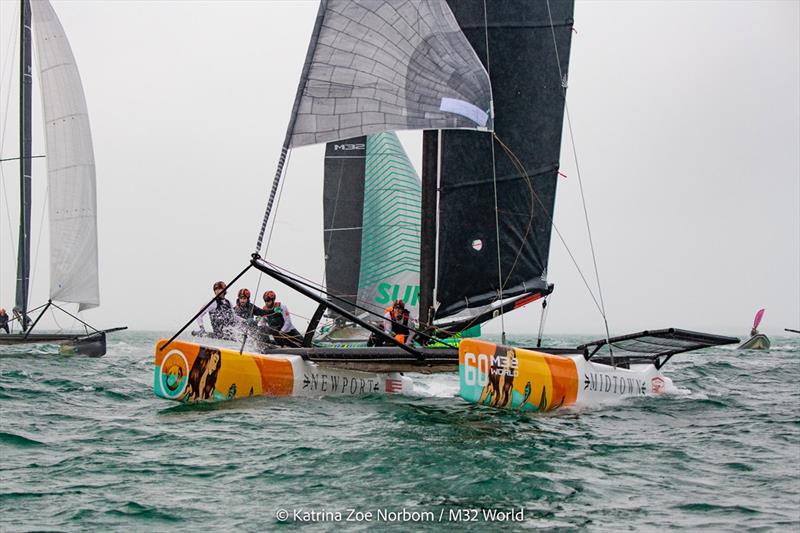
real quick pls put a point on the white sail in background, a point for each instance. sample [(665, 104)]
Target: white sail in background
[(377, 66), (70, 165)]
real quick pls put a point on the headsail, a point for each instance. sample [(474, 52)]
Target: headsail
[(70, 166), (528, 76), (371, 204), (385, 66)]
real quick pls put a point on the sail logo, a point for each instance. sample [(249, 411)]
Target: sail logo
[(349, 146), (388, 293)]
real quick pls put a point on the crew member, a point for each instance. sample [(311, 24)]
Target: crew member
[(244, 308), (220, 313), (279, 322), (4, 320), (398, 323)]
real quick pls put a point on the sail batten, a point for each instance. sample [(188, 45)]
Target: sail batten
[(72, 195)]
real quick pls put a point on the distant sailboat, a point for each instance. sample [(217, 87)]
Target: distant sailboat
[(488, 190), (757, 341), (71, 186)]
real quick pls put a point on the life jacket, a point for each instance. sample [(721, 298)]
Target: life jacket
[(274, 316), (245, 311), (401, 328), (222, 315)]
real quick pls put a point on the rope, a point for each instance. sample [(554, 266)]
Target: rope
[(580, 181)]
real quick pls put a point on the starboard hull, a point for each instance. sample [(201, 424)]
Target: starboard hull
[(527, 380)]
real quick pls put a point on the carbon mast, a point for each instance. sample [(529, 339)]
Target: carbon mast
[(25, 115)]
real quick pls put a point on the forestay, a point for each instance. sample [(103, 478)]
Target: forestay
[(377, 66), (70, 166)]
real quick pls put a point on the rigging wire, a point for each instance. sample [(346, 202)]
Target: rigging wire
[(580, 181), (494, 180)]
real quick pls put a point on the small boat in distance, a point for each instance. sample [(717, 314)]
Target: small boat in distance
[(757, 341), (71, 190)]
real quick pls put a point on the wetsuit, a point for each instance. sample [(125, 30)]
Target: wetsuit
[(4, 322)]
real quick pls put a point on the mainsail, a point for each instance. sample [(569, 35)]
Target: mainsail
[(527, 59), (390, 239), (70, 166), (343, 208), (371, 204)]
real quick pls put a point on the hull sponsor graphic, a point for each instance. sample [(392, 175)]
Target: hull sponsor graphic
[(614, 384), (322, 382), (502, 376), (657, 384), (173, 375), (189, 372)]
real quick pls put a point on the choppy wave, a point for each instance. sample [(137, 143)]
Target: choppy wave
[(86, 446)]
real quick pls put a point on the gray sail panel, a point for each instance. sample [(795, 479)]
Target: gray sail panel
[(70, 166), (342, 207), (529, 98), (379, 66), (25, 116)]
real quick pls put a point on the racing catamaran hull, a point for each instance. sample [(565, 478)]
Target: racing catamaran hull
[(489, 374), (189, 372), (528, 380)]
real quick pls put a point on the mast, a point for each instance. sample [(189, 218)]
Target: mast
[(427, 256), (25, 86)]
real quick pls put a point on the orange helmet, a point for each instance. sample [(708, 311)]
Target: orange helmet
[(399, 304), (244, 293), (269, 295)]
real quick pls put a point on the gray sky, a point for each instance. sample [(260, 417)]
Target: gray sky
[(686, 117)]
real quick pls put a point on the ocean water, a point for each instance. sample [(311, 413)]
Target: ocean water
[(85, 445)]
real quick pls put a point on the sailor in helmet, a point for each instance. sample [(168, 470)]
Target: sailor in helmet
[(220, 313), (244, 308), (4, 320), (398, 322), (279, 322)]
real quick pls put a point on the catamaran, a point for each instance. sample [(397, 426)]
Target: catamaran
[(71, 191), (486, 82)]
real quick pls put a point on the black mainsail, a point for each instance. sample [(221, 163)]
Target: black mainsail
[(515, 42), (343, 208)]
